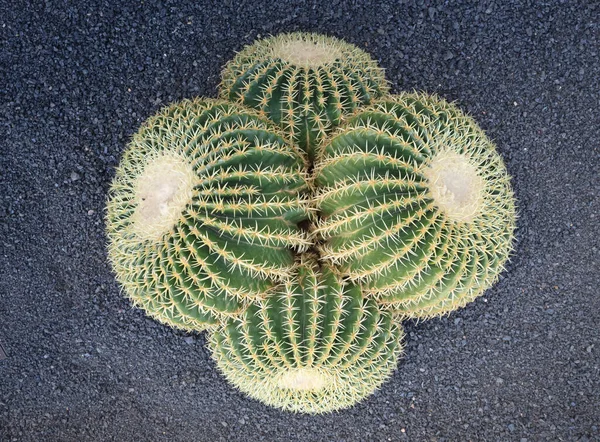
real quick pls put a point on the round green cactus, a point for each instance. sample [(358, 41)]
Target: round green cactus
[(304, 82), (314, 346), (415, 204), (203, 212)]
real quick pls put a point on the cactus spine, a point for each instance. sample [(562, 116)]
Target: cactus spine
[(203, 212), (304, 82), (416, 205), (314, 346)]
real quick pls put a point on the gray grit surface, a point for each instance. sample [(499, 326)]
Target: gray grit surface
[(78, 78)]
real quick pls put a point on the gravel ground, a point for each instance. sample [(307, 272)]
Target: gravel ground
[(78, 78)]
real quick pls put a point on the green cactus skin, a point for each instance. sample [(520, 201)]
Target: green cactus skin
[(416, 205), (312, 347), (306, 83), (203, 212)]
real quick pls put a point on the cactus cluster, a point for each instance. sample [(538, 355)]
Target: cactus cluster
[(301, 217)]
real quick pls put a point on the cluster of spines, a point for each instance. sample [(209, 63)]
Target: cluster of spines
[(307, 101), (315, 345), (235, 238), (382, 227)]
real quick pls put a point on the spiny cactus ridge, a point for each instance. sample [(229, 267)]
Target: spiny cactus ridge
[(203, 212), (304, 82), (415, 204), (314, 346)]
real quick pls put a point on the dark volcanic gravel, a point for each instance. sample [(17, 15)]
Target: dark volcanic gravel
[(77, 79)]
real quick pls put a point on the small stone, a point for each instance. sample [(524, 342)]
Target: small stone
[(91, 212), (75, 176), (511, 427), (448, 56), (224, 423), (189, 340), (499, 381)]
